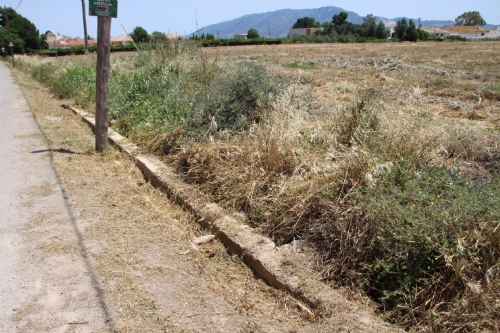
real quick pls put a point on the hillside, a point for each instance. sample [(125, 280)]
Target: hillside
[(277, 23), (280, 21)]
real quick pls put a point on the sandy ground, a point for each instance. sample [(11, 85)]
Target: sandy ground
[(92, 247)]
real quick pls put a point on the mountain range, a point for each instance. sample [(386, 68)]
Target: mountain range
[(277, 23)]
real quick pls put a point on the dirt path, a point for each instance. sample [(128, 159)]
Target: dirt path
[(128, 244), (40, 289)]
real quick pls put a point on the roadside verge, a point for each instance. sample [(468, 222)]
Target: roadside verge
[(288, 268)]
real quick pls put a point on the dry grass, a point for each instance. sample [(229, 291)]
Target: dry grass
[(139, 245), (353, 112)]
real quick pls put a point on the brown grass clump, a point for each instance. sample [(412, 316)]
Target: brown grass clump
[(463, 142)]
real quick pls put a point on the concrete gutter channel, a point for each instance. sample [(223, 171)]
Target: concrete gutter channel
[(258, 252)]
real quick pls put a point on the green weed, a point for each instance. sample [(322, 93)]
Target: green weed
[(430, 234), (77, 82), (305, 66)]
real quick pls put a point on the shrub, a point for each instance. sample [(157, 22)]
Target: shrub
[(455, 38), (424, 244), (431, 237), (237, 98), (179, 89)]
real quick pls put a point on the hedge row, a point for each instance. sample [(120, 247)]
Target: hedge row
[(77, 50), (238, 42)]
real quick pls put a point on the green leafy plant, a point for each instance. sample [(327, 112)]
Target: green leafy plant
[(421, 227), (237, 99)]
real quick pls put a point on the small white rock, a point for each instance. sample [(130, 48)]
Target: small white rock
[(204, 239), (49, 118)]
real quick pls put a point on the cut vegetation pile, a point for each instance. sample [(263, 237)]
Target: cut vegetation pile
[(391, 173)]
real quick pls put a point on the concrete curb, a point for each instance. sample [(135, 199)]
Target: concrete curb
[(257, 251)]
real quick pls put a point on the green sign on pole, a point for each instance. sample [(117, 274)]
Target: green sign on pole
[(106, 8)]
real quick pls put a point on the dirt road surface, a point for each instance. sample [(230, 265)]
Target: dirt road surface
[(38, 293), (86, 245)]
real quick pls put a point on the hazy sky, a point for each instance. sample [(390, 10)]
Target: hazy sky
[(65, 16)]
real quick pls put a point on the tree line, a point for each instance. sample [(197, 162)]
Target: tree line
[(339, 26), (406, 30), (27, 38)]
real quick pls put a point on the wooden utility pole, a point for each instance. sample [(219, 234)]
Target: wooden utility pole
[(102, 83), (105, 11), (85, 28)]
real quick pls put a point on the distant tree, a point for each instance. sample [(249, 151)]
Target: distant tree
[(19, 44), (343, 27), (158, 37), (252, 34), (401, 29), (43, 42), (411, 32), (306, 22), (339, 19), (339, 29), (140, 35), (202, 36), (22, 30), (424, 35), (328, 29), (470, 19), (381, 32), (369, 26)]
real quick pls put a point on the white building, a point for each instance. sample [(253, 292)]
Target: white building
[(469, 32), (439, 33), (303, 31), (494, 33), (240, 36)]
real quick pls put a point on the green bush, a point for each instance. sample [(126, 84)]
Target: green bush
[(333, 38), (193, 100), (237, 98), (429, 233), (80, 49), (144, 98), (455, 38)]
